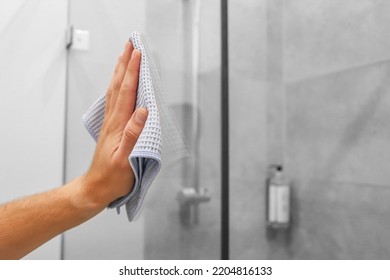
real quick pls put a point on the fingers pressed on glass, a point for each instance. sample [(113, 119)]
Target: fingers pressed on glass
[(132, 131), (111, 87), (120, 74), (127, 94)]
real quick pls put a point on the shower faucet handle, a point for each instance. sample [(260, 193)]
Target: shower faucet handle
[(189, 199), (192, 196)]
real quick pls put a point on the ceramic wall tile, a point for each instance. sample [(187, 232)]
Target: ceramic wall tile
[(321, 37), (337, 126)]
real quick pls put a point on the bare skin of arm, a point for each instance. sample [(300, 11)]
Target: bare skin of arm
[(27, 223)]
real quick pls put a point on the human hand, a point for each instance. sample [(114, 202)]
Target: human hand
[(110, 175)]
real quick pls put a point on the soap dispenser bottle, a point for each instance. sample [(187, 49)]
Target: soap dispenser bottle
[(279, 189)]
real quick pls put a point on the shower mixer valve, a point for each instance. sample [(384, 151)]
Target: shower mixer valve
[(189, 199)]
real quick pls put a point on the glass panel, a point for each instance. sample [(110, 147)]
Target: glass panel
[(313, 90), (248, 30), (32, 87), (185, 36)]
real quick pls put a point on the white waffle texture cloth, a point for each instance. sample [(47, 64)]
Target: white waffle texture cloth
[(145, 159)]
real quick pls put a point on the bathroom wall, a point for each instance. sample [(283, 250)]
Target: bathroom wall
[(337, 127), (326, 87), (32, 87)]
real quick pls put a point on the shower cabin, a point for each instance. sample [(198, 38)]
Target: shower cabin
[(307, 86)]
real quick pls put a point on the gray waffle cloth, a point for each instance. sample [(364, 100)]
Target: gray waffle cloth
[(145, 159)]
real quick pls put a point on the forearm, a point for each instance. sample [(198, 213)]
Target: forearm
[(27, 223)]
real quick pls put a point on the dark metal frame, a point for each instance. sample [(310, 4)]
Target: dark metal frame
[(224, 132)]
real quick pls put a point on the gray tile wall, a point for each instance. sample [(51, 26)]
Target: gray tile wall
[(321, 108)]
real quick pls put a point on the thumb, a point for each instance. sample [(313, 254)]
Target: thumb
[(132, 131)]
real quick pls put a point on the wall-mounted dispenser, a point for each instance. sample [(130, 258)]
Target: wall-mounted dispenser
[(278, 198)]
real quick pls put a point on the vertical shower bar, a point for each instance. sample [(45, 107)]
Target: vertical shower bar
[(195, 98), (224, 132)]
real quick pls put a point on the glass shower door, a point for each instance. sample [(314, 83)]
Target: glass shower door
[(182, 218), (181, 213)]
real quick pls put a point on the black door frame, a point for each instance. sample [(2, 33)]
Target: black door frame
[(224, 132)]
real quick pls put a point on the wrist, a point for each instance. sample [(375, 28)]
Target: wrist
[(82, 197)]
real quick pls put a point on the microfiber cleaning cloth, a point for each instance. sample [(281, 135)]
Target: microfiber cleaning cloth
[(146, 157)]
